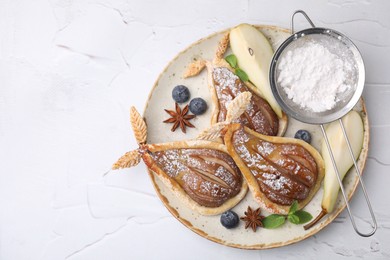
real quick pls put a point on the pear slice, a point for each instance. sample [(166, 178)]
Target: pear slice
[(354, 128), (254, 54), (353, 125)]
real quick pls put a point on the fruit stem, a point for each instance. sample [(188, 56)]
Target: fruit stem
[(316, 220)]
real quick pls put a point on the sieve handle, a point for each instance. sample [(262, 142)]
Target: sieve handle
[(305, 15), (351, 216)]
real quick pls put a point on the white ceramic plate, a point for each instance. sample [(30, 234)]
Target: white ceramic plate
[(159, 132)]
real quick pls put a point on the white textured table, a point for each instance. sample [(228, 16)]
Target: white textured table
[(69, 70)]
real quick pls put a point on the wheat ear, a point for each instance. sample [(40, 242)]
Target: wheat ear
[(139, 126), (212, 133), (234, 110), (238, 106), (127, 160), (222, 47)]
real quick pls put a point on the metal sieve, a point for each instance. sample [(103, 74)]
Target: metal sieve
[(343, 47)]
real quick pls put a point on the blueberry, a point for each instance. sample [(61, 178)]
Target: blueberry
[(198, 106), (180, 94), (229, 219), (303, 135)]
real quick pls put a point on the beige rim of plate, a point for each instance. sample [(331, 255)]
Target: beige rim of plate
[(158, 132)]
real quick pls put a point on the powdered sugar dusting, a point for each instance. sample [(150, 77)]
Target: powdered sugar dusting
[(225, 85), (277, 184), (171, 162)]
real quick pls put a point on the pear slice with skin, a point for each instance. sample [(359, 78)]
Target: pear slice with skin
[(353, 125), (254, 54)]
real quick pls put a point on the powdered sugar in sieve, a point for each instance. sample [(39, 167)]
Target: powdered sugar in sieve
[(317, 72)]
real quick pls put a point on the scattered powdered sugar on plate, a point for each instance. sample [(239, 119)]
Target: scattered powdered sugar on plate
[(313, 76)]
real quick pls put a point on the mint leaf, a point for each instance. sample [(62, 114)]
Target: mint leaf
[(303, 216), (273, 221), (293, 219), (293, 208), (232, 60), (242, 75)]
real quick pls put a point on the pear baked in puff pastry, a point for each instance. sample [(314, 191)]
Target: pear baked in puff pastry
[(278, 170), (200, 173), (224, 86)]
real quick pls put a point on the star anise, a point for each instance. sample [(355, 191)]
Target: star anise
[(179, 118), (252, 219)]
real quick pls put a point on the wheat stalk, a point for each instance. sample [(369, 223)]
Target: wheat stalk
[(138, 125), (127, 160), (212, 133), (222, 47), (238, 106)]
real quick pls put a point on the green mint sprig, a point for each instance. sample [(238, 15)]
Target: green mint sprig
[(294, 215), (232, 60)]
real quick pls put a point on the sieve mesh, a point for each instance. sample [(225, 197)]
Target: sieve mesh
[(337, 44)]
